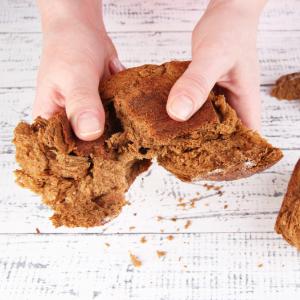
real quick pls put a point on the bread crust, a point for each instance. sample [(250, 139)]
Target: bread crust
[(84, 182), (288, 219), (287, 87)]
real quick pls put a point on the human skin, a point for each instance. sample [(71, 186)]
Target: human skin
[(223, 52), (77, 53)]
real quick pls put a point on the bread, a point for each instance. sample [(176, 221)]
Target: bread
[(287, 87), (288, 220), (84, 182)]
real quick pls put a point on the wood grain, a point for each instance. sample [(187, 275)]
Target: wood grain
[(157, 15), (229, 252), (218, 266), (279, 53)]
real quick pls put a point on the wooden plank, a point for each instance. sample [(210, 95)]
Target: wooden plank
[(279, 53), (229, 252), (159, 15), (217, 266)]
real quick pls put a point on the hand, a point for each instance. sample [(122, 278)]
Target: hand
[(76, 54), (223, 52)]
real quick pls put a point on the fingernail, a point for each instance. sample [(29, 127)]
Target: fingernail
[(89, 125), (181, 107), (116, 66)]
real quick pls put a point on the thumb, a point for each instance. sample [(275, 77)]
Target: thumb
[(192, 89), (85, 112)]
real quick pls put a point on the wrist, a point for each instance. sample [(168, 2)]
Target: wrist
[(57, 15)]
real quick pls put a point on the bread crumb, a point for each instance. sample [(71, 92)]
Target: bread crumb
[(135, 260), (107, 244), (206, 204), (177, 229), (161, 253), (131, 227), (143, 240), (212, 187), (174, 219), (159, 218), (225, 206), (260, 265), (198, 194), (170, 237), (220, 193), (187, 224), (190, 203), (208, 186), (162, 231), (287, 87), (37, 231), (193, 202)]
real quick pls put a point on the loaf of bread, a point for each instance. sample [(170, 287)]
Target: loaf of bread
[(288, 220), (84, 182)]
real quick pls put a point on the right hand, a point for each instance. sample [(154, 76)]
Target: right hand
[(75, 56)]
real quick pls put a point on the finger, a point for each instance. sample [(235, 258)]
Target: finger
[(83, 105), (115, 66), (243, 94), (191, 90), (114, 63), (247, 104), (85, 111)]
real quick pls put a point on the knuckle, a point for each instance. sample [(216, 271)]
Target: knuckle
[(196, 82), (80, 97)]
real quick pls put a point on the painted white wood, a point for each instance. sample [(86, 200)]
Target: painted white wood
[(229, 252), (157, 15), (279, 53), (218, 266)]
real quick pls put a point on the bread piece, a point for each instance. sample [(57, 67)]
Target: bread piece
[(84, 182), (288, 220), (287, 87), (212, 145)]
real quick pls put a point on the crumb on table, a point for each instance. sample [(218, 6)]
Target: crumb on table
[(170, 237), (143, 240), (135, 260), (187, 224), (161, 253)]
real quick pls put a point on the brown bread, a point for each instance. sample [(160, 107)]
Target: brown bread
[(84, 182), (288, 220), (287, 87)]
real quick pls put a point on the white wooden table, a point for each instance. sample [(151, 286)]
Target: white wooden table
[(230, 251)]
